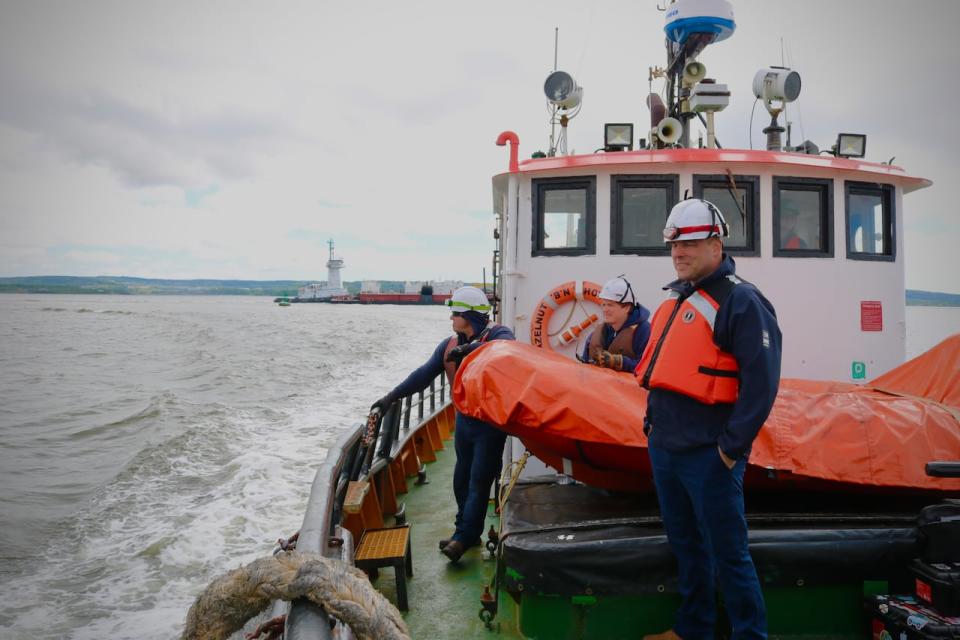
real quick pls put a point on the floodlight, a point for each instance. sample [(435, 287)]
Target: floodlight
[(562, 90), (851, 145), (618, 136)]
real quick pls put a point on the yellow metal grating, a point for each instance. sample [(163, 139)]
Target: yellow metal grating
[(378, 544)]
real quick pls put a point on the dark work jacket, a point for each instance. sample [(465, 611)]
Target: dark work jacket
[(421, 377), (639, 316), (746, 327)]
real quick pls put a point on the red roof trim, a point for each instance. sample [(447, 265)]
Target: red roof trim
[(725, 156)]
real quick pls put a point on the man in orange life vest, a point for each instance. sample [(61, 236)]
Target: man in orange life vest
[(712, 366), (479, 446)]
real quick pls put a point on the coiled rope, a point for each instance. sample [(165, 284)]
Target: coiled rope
[(342, 590)]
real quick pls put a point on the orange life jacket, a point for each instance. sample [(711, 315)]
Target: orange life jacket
[(681, 355), (451, 367)]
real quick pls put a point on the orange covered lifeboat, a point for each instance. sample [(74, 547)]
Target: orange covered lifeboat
[(587, 422)]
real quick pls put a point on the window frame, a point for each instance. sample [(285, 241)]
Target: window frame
[(888, 202), (825, 187), (537, 187), (751, 185), (669, 180)]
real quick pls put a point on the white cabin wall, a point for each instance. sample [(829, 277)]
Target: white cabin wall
[(817, 299)]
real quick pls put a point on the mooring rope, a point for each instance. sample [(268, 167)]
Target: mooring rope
[(342, 590)]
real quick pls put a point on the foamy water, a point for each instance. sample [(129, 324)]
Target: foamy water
[(148, 444)]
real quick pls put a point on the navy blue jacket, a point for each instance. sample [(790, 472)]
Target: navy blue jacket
[(746, 327), (421, 377), (638, 316)]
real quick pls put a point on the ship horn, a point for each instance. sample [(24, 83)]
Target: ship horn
[(694, 72), (669, 130)]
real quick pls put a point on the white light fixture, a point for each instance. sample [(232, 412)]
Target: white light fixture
[(562, 90), (776, 83), (851, 145), (618, 136)]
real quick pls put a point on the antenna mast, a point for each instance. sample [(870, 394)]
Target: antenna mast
[(553, 116)]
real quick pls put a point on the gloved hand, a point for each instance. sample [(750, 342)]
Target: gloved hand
[(595, 355), (609, 360), (458, 353), (383, 403)]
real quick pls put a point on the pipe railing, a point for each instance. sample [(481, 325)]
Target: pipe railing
[(352, 457)]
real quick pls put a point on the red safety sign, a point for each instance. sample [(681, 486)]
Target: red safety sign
[(871, 315)]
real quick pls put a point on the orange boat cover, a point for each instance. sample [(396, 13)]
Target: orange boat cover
[(587, 421)]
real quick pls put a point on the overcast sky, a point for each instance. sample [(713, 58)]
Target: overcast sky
[(230, 140)]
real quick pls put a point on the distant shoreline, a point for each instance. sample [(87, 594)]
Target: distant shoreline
[(126, 286)]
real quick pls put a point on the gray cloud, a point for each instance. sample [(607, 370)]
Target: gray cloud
[(140, 144)]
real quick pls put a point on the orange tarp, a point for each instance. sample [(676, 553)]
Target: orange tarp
[(587, 421)]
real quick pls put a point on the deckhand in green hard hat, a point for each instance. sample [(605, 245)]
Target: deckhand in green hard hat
[(469, 299)]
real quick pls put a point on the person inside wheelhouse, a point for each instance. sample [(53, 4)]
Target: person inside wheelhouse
[(790, 237), (619, 341)]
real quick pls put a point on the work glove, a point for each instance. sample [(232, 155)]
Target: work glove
[(609, 360), (595, 355), (458, 353), (383, 403)]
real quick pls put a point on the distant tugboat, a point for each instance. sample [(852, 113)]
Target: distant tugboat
[(325, 291), (332, 290)]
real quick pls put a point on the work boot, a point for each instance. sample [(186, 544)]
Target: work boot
[(445, 541), (454, 550), (669, 634)]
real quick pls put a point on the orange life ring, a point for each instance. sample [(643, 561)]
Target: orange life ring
[(558, 296)]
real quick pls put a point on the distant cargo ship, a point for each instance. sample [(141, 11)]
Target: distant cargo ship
[(381, 298)]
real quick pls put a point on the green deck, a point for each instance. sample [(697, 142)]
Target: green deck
[(445, 597)]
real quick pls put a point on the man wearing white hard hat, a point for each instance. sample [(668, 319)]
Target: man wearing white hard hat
[(618, 343), (712, 366), (479, 446)]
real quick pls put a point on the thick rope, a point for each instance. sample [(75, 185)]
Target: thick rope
[(342, 590)]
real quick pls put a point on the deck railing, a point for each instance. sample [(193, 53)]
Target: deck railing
[(355, 457)]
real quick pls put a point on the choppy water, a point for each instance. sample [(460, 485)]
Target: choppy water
[(148, 444)]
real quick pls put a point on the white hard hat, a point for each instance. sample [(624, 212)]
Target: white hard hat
[(618, 290), (469, 299), (694, 219)]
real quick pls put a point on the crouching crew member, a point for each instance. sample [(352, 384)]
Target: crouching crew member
[(712, 367), (479, 446), (618, 343)]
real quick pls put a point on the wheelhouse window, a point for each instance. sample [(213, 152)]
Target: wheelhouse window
[(639, 209), (738, 201), (564, 216), (870, 221), (802, 217)]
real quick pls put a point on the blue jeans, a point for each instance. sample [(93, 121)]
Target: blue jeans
[(701, 502), (479, 458)]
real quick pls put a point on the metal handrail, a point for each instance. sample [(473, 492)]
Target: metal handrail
[(351, 459)]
